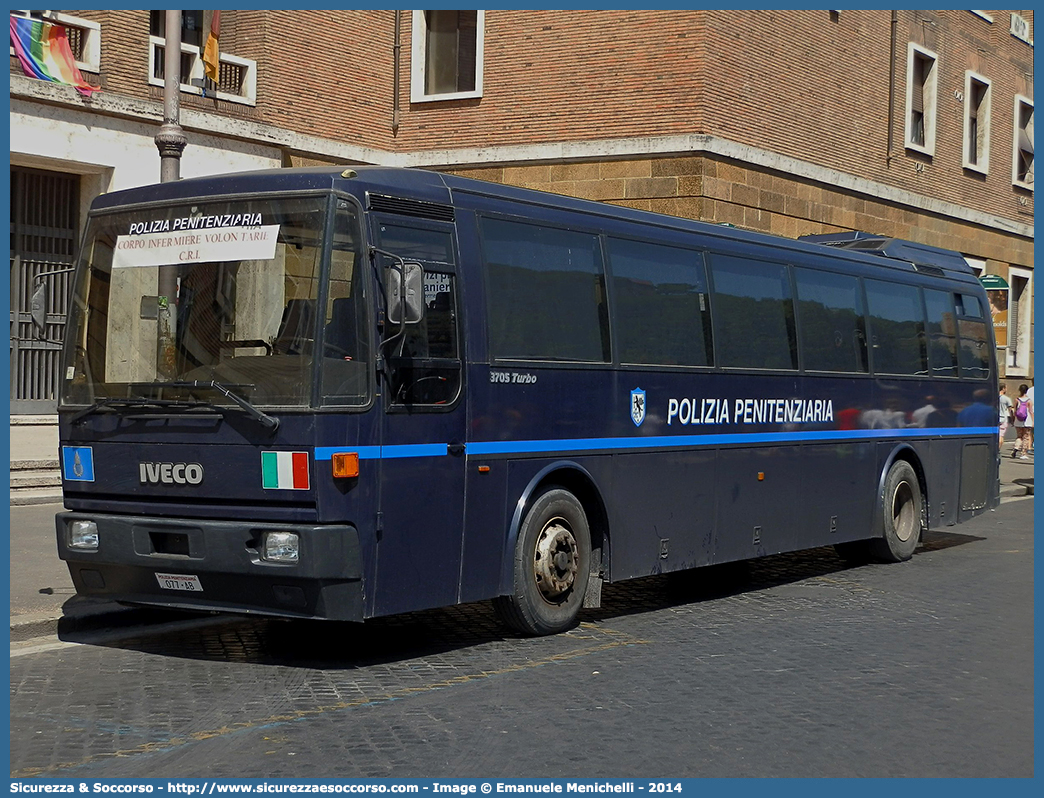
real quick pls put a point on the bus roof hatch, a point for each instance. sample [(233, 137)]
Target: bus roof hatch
[(922, 256)]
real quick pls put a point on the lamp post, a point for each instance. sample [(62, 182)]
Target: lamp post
[(170, 141)]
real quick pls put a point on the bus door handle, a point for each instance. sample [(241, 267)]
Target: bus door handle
[(455, 448)]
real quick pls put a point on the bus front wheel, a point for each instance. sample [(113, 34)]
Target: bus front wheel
[(901, 511), (551, 566)]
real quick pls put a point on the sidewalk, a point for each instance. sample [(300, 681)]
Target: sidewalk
[(1016, 476), (42, 592), (35, 478)]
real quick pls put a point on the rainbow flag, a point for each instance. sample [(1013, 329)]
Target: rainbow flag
[(44, 52)]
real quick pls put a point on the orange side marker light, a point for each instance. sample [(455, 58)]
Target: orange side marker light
[(345, 465)]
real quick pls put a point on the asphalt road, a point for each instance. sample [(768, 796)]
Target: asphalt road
[(35, 566), (797, 665)]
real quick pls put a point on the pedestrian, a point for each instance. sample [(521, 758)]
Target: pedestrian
[(1022, 443), (1029, 419), (1005, 412)]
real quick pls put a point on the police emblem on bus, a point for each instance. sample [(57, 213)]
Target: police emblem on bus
[(78, 463), (637, 406)]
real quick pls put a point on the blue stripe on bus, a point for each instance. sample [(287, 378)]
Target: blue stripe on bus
[(677, 441), (480, 448), (385, 452)]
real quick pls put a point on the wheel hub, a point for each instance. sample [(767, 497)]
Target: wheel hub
[(555, 560), (904, 512)]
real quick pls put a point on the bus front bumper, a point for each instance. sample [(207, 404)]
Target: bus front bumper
[(209, 565)]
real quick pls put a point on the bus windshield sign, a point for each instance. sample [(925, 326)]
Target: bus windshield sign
[(203, 246)]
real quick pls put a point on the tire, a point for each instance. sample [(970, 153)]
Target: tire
[(901, 513), (552, 564)]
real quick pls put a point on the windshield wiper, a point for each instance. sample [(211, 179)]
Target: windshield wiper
[(113, 401), (259, 416)]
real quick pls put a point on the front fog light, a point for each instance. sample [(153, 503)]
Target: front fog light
[(280, 547), (83, 536)]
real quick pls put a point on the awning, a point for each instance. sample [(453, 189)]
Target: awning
[(993, 281)]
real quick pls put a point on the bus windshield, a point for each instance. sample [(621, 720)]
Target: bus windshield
[(219, 292)]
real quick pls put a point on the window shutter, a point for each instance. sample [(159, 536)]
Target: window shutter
[(1025, 142), (917, 101), (467, 33)]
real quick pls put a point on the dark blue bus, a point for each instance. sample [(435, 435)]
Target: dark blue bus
[(348, 393)]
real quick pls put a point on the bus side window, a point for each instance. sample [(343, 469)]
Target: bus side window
[(896, 328), (546, 290), (346, 337), (662, 313), (833, 322), (753, 314), (942, 332), (975, 344), (425, 363)]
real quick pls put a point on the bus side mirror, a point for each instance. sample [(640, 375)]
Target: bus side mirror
[(410, 278), (38, 307)]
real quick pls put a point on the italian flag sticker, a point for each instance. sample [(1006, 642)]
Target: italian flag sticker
[(284, 470)]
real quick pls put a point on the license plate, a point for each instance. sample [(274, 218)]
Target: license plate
[(187, 582)]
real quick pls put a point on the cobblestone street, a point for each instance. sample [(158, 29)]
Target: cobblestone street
[(797, 665)]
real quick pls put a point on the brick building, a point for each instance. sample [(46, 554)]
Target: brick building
[(914, 124)]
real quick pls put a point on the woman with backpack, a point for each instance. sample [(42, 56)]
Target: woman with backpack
[(1023, 409)]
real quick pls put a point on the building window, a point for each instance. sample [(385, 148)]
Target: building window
[(976, 122), (977, 265), (1020, 321), (921, 93), (1022, 174), (447, 53), (191, 26), (237, 81), (84, 37)]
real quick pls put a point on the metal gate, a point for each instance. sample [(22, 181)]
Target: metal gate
[(44, 234)]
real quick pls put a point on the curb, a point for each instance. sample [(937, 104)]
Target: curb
[(33, 625), (81, 616), (1016, 492), (27, 499)]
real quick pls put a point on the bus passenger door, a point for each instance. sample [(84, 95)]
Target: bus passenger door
[(421, 510)]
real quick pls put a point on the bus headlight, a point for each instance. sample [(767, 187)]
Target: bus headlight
[(280, 547), (83, 536)]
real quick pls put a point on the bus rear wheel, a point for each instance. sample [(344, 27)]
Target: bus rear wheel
[(901, 513), (552, 564)]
